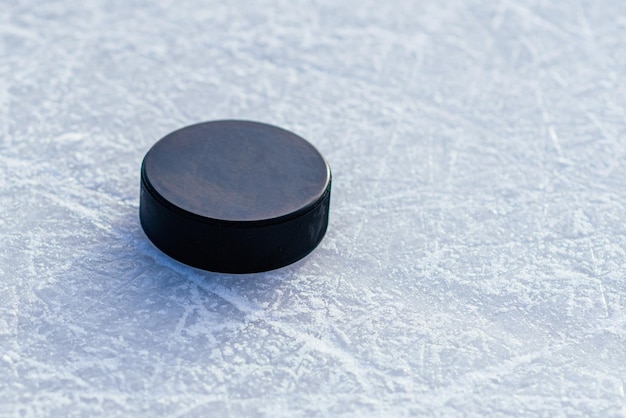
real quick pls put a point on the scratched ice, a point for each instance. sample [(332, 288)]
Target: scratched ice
[(476, 257)]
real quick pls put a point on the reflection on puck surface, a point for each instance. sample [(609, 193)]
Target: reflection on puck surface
[(234, 196)]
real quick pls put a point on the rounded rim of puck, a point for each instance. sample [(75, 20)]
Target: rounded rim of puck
[(213, 164), (303, 206)]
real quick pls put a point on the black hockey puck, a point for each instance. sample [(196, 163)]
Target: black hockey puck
[(234, 196)]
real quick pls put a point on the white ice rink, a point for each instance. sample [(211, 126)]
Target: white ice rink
[(475, 262)]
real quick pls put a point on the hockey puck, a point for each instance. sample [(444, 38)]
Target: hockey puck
[(234, 196)]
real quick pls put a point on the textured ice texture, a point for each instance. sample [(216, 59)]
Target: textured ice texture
[(475, 261)]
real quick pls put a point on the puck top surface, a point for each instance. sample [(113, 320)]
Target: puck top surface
[(236, 171)]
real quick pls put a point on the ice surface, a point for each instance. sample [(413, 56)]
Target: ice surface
[(476, 257)]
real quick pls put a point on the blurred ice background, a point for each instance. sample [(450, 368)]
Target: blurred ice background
[(476, 257)]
